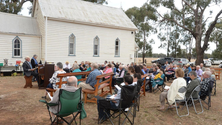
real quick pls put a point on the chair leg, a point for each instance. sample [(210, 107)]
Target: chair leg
[(85, 97), (178, 112), (195, 106)]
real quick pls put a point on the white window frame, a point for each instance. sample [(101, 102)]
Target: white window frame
[(74, 45), (117, 55), (98, 47), (13, 47)]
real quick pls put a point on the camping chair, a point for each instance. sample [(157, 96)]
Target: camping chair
[(128, 94), (137, 97), (197, 90), (214, 88), (182, 90), (69, 103), (160, 87)]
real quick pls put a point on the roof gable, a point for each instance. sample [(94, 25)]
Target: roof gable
[(86, 12)]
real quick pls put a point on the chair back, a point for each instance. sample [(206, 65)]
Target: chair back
[(197, 88), (182, 89), (69, 102), (128, 94)]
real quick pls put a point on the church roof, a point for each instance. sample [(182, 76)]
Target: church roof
[(87, 13), (17, 24)]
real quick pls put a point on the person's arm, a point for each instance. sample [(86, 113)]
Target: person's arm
[(89, 78), (190, 86), (53, 78), (122, 74), (55, 98), (172, 92)]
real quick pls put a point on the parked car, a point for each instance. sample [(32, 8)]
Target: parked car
[(162, 61), (180, 61), (207, 63), (220, 66), (216, 61)]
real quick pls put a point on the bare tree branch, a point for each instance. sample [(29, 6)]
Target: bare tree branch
[(176, 23), (189, 5), (210, 30)]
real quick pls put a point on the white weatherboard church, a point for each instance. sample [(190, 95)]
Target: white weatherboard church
[(68, 30)]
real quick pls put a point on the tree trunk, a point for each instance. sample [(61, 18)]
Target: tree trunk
[(199, 51), (144, 44)]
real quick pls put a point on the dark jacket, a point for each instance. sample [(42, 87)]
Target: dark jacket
[(26, 68), (33, 63), (191, 86)]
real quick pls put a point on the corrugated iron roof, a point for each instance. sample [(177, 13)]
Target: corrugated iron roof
[(86, 12), (12, 23)]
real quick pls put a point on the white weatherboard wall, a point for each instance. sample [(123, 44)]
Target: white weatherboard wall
[(58, 39), (41, 22), (30, 46)]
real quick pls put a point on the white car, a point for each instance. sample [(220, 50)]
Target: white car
[(216, 61), (207, 63), (220, 66)]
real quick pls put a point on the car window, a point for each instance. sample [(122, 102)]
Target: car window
[(176, 59)]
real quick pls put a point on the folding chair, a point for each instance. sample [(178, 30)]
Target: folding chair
[(207, 99), (69, 103), (182, 90), (197, 90), (214, 88), (137, 98), (125, 102)]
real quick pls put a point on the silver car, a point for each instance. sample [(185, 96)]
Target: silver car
[(180, 61)]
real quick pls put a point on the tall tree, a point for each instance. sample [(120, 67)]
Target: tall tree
[(142, 17), (97, 1), (12, 6), (190, 17)]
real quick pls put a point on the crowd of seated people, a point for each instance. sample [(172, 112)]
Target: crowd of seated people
[(133, 72)]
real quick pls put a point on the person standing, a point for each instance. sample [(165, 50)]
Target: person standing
[(34, 63)]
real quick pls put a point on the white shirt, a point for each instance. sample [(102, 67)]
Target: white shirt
[(173, 93), (65, 66)]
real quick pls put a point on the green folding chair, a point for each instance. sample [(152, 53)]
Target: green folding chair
[(69, 104)]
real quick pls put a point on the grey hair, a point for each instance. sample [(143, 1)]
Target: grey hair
[(95, 66), (208, 73), (34, 55), (207, 69), (59, 64), (193, 73), (27, 57), (75, 66), (198, 66), (121, 66), (72, 81)]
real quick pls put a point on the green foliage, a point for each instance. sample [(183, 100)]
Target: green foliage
[(97, 1), (142, 18), (12, 6)]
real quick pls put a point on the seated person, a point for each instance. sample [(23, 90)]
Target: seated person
[(199, 72), (114, 69), (158, 79), (88, 67), (192, 85), (136, 77), (108, 69), (66, 67), (213, 73), (91, 79), (141, 67), (206, 80), (170, 72), (82, 66), (138, 70), (172, 93), (154, 72), (54, 79), (71, 87), (128, 80), (202, 67), (29, 70), (131, 70), (75, 68), (146, 70), (119, 78)]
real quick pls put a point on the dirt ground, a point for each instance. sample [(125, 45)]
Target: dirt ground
[(19, 106)]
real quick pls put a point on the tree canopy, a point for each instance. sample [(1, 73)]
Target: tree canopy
[(12, 6), (142, 17), (189, 15)]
